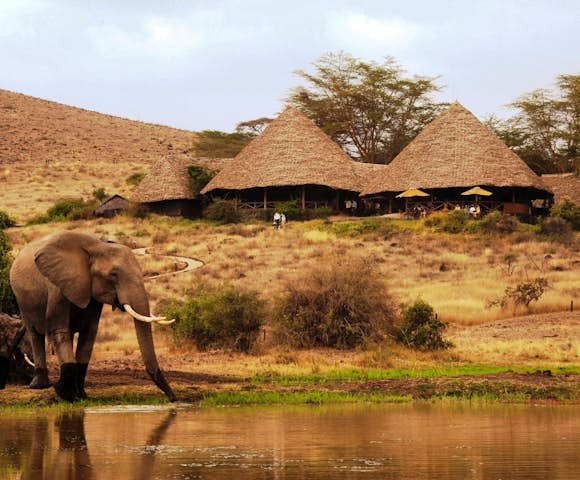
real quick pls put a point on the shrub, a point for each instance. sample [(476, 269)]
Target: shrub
[(100, 194), (455, 221), (199, 177), (136, 210), (567, 210), (420, 328), (223, 211), (67, 209), (323, 212), (556, 227), (342, 304), (6, 221), (7, 300), (135, 179), (225, 318), (289, 208), (522, 294), (496, 222)]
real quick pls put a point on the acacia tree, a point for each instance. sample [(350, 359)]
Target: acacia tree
[(546, 130), (253, 127), (371, 109)]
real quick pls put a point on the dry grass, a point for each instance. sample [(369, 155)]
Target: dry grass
[(456, 274)]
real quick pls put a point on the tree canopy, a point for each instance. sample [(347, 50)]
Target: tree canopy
[(217, 144), (545, 132), (373, 110)]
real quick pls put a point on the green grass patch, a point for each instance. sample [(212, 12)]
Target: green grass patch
[(362, 375), (296, 398)]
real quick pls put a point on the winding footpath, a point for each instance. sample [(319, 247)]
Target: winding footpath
[(190, 263)]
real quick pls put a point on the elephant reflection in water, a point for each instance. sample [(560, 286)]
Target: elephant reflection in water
[(72, 460)]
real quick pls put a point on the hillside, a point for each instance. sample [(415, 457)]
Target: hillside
[(36, 130), (50, 151)]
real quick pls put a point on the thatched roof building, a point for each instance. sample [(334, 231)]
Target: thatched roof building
[(166, 189), (291, 152), (564, 185), (455, 152), (112, 206)]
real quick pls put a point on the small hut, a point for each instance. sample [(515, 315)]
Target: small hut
[(452, 154), (292, 159), (112, 206), (166, 189)]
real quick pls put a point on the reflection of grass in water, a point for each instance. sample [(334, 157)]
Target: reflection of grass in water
[(291, 398)]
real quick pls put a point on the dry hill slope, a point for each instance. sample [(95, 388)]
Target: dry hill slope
[(37, 130), (49, 151)]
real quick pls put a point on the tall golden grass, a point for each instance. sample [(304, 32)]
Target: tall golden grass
[(457, 274)]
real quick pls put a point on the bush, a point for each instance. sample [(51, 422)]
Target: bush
[(7, 300), (135, 179), (342, 305), (100, 194), (6, 221), (67, 209), (227, 318), (136, 210), (496, 222), (420, 328), (522, 294), (289, 208), (556, 227), (455, 221), (199, 177), (223, 211), (567, 210)]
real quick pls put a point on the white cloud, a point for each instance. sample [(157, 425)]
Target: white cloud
[(358, 29), (17, 17), (164, 37)]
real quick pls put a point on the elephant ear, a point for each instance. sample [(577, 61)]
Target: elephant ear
[(65, 263)]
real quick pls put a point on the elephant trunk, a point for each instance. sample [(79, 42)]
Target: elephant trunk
[(145, 339)]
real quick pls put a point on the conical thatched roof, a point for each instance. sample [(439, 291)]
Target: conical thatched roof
[(169, 179), (291, 151), (454, 150)]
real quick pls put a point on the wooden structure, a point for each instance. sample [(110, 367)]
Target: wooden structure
[(166, 189), (453, 153), (291, 160), (112, 206)]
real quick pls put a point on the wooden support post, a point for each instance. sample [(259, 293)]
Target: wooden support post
[(390, 203), (303, 197), (265, 198)]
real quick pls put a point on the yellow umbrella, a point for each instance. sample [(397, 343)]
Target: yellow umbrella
[(412, 192), (477, 191)]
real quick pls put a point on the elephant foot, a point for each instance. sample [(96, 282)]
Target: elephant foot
[(40, 379), (4, 368), (66, 387), (80, 379)]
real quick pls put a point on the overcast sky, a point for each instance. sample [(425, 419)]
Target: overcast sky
[(210, 64)]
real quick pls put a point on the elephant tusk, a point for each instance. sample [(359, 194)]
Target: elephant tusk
[(27, 360), (143, 318)]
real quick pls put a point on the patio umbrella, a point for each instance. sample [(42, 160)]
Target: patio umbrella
[(477, 191), (412, 192)]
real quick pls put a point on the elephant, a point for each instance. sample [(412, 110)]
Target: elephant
[(61, 283), (15, 350)]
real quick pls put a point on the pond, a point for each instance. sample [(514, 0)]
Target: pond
[(358, 441)]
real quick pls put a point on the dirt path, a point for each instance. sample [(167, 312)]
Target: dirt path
[(190, 263)]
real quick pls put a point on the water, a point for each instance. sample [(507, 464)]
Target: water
[(416, 441)]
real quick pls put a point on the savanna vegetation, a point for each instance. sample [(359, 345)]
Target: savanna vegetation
[(280, 295)]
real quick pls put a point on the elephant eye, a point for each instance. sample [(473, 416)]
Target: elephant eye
[(113, 276)]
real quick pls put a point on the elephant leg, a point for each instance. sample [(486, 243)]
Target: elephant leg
[(88, 327), (65, 387), (40, 378)]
